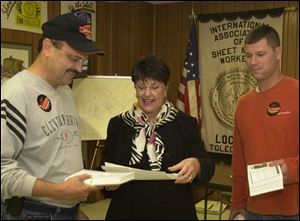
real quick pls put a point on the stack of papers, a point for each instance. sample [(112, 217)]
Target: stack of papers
[(213, 207), (100, 178), (138, 173), (263, 178)]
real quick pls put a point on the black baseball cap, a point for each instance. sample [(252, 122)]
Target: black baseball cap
[(74, 30)]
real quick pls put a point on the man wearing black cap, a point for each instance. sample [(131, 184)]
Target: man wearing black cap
[(40, 137)]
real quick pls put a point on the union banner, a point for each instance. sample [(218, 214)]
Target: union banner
[(224, 76)]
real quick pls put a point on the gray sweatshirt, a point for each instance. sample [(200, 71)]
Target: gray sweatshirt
[(40, 136)]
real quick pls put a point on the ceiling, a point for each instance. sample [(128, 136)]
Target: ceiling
[(153, 2)]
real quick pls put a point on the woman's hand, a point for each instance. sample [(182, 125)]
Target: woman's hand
[(188, 169)]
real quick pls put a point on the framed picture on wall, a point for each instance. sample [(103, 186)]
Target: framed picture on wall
[(14, 58)]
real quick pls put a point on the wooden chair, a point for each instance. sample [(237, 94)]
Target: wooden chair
[(224, 198)]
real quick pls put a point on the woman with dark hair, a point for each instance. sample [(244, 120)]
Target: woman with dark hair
[(155, 136)]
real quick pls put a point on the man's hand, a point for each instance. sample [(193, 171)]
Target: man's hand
[(73, 188), (283, 168), (234, 213)]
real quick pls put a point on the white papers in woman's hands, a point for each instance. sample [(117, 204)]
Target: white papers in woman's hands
[(100, 178), (263, 178), (139, 173)]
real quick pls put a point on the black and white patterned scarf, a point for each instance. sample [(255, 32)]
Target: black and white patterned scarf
[(145, 135)]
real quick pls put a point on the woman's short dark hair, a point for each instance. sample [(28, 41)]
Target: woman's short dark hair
[(150, 67), (263, 31)]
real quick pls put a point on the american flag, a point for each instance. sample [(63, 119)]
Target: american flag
[(188, 99)]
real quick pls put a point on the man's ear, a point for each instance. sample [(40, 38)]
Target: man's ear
[(47, 47), (278, 52)]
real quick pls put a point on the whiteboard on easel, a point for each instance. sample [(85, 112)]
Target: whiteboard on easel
[(99, 98)]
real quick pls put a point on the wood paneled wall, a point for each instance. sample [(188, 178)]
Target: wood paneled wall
[(172, 27), (127, 31), (124, 31)]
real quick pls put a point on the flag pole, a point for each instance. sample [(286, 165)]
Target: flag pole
[(193, 15), (188, 97)]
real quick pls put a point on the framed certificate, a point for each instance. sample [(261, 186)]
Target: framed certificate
[(14, 58)]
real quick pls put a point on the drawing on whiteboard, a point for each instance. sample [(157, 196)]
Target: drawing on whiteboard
[(99, 99)]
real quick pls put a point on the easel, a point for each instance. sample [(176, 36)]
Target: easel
[(95, 196), (98, 145), (221, 181)]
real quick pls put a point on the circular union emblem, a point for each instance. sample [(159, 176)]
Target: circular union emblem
[(29, 9), (226, 91)]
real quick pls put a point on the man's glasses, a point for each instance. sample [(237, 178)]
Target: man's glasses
[(73, 58)]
